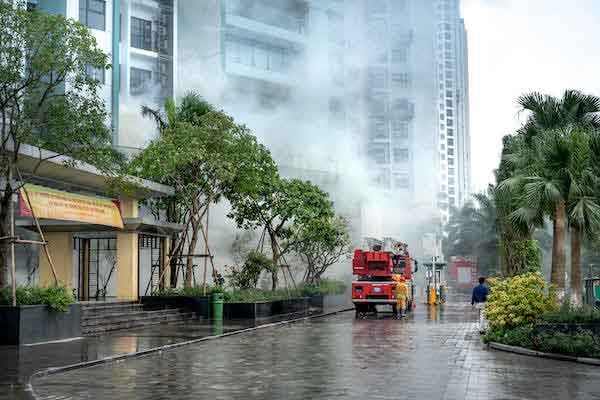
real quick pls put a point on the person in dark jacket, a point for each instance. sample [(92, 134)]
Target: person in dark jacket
[(478, 299)]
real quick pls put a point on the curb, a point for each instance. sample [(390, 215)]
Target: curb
[(535, 353), (160, 349)]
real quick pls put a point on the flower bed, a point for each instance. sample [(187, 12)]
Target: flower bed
[(42, 314), (252, 303), (522, 312), (57, 298), (38, 323)]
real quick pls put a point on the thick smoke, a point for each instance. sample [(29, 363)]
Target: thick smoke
[(310, 136)]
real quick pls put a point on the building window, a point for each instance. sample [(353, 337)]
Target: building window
[(140, 80), (377, 6), (401, 181), (403, 109), (450, 152), (400, 56), (92, 13), (450, 142), (378, 128), (448, 93), (95, 73), (379, 153), (449, 112), (399, 129), (377, 78), (450, 171), (401, 80), (449, 122), (400, 155), (141, 33), (450, 161), (451, 190), (449, 103)]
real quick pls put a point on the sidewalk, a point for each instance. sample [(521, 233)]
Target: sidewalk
[(19, 363)]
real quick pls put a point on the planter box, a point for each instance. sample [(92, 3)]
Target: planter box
[(265, 309), (567, 328), (198, 305), (35, 324), (330, 301)]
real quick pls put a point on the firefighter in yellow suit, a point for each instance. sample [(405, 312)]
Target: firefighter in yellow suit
[(401, 295)]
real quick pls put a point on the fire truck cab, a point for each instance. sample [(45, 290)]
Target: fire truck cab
[(373, 284)]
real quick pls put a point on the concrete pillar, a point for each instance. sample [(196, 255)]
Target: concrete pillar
[(60, 247), (127, 265), (129, 208)]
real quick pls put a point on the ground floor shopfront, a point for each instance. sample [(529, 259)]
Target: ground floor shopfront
[(102, 244)]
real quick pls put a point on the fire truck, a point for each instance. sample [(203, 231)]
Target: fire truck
[(373, 271)]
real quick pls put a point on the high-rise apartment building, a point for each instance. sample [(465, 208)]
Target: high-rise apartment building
[(257, 57), (139, 36), (415, 100)]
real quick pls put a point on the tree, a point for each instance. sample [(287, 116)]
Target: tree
[(204, 155), (275, 205), (47, 99), (178, 208), (472, 230), (320, 243), (544, 176)]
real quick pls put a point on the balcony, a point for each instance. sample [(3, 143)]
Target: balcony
[(251, 72), (253, 29)]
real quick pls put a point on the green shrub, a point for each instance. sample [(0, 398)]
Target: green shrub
[(581, 344), (569, 314), (236, 295), (324, 287), (521, 336), (194, 291), (58, 297), (254, 295), (167, 292), (248, 275), (517, 301)]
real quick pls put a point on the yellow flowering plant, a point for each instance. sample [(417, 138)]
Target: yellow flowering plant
[(518, 301)]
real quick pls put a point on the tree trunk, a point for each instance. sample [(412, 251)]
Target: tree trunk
[(173, 260), (576, 292), (275, 250), (557, 276), (5, 199), (189, 266)]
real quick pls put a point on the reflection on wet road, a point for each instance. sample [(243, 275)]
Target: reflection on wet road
[(432, 354)]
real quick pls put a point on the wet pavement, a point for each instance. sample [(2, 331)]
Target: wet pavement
[(432, 354), (17, 364)]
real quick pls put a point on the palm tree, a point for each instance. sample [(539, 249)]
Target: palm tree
[(584, 202), (547, 179)]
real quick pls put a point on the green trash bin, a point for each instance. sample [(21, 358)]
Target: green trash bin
[(217, 306)]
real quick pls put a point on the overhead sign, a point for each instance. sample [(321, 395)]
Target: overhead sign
[(56, 204)]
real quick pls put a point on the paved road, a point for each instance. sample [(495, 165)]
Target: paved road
[(430, 355)]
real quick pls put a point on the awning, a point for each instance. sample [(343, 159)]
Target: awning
[(139, 224)]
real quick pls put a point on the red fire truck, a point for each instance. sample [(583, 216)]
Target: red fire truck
[(373, 284)]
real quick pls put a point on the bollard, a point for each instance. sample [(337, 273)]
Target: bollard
[(217, 306)]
